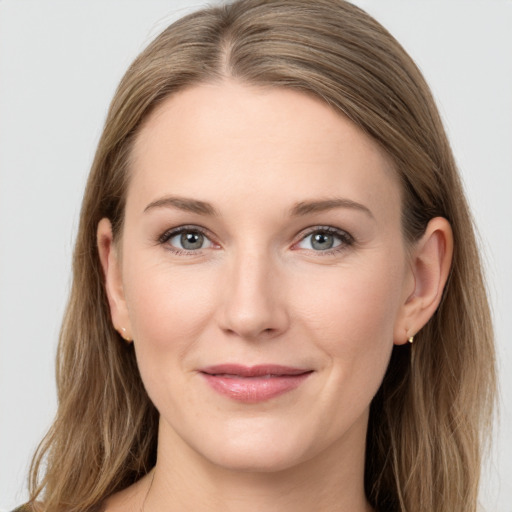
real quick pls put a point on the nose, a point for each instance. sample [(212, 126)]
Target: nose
[(253, 299)]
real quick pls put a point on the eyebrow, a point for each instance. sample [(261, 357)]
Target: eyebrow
[(183, 203), (307, 207), (298, 210)]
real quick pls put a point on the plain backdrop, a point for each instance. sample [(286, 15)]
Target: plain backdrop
[(60, 62)]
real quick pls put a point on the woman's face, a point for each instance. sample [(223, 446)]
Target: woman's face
[(262, 274)]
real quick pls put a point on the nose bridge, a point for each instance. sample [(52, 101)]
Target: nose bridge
[(253, 303)]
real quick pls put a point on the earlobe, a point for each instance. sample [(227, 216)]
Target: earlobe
[(113, 278), (430, 266)]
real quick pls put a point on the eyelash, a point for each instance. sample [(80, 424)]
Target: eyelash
[(346, 239)]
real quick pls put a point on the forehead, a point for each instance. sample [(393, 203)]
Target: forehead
[(215, 139)]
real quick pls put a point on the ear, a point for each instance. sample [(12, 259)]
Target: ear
[(430, 263), (111, 264)]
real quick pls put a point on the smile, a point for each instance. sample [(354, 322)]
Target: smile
[(256, 383)]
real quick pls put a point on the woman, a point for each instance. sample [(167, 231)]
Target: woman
[(277, 300)]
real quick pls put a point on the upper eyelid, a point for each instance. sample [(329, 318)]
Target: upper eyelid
[(169, 233), (329, 229)]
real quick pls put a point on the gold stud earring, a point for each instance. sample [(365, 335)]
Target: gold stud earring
[(411, 339), (125, 336)]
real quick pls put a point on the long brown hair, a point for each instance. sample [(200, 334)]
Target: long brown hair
[(428, 418)]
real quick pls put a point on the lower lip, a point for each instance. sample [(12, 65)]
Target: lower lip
[(254, 389)]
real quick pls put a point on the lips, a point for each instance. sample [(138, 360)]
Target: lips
[(252, 384)]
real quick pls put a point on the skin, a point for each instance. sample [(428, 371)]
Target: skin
[(258, 292)]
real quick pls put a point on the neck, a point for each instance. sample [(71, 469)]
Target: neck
[(332, 481)]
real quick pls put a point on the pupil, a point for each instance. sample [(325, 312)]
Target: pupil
[(322, 241), (191, 240)]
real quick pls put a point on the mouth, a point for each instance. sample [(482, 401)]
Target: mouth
[(252, 384)]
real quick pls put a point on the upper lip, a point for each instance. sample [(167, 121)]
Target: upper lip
[(253, 371)]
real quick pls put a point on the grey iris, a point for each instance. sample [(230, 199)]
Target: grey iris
[(191, 241), (322, 241)]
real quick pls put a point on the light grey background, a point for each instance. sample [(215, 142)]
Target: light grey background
[(60, 62)]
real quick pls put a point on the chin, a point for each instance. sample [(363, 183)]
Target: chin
[(256, 459), (257, 447)]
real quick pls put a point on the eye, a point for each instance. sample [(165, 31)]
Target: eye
[(325, 239), (186, 239)]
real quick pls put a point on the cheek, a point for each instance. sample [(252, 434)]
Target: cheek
[(163, 298), (353, 314), (169, 309), (351, 321)]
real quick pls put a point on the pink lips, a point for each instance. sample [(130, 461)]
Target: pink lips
[(255, 383)]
